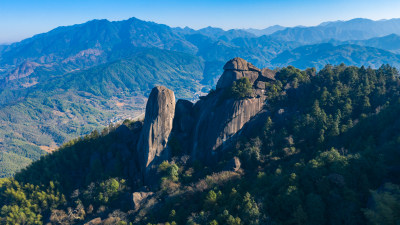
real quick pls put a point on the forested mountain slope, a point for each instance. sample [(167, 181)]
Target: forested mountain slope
[(59, 109), (114, 65), (322, 149), (390, 43)]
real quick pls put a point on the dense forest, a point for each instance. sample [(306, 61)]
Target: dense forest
[(328, 153)]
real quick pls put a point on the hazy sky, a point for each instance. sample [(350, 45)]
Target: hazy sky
[(20, 19)]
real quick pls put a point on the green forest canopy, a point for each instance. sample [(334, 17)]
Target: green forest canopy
[(327, 154)]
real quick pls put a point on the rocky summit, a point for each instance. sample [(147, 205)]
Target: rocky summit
[(204, 129), (235, 69)]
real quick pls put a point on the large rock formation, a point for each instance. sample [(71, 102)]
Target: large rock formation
[(160, 111), (217, 122), (205, 129), (235, 69), (219, 119), (183, 125)]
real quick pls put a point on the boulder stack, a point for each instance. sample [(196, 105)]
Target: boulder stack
[(235, 69)]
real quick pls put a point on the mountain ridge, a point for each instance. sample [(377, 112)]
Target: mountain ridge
[(321, 54), (356, 29), (99, 52)]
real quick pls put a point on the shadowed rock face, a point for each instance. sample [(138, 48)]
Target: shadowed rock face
[(219, 121), (160, 111), (183, 124)]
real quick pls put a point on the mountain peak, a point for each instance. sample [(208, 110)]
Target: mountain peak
[(235, 69), (355, 20), (239, 64)]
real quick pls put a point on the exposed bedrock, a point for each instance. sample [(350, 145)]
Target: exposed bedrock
[(219, 120), (217, 123), (160, 111), (235, 69), (204, 129)]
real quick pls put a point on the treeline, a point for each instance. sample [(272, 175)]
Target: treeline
[(328, 153)]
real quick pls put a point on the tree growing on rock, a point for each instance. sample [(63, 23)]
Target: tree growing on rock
[(242, 88)]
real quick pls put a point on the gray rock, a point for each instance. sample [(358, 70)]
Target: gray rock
[(94, 221), (217, 123), (203, 130), (267, 73), (160, 110), (233, 164), (260, 85), (240, 65), (235, 69), (138, 198)]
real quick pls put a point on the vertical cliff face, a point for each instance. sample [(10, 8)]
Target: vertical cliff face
[(206, 128), (160, 111), (219, 119), (218, 124)]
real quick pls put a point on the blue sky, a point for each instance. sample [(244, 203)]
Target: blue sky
[(20, 19)]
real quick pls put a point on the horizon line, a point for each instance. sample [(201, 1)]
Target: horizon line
[(196, 29)]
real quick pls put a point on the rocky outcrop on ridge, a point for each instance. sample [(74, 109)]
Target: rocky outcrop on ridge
[(160, 111), (218, 120), (204, 129), (235, 69)]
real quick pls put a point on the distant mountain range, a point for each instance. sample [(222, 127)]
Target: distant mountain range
[(356, 29), (390, 43), (66, 82), (320, 55), (266, 31)]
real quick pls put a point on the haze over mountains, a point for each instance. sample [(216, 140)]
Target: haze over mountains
[(356, 29), (266, 31), (65, 83)]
